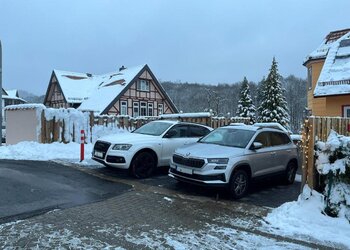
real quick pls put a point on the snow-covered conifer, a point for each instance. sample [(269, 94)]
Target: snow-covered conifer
[(273, 107), (246, 107)]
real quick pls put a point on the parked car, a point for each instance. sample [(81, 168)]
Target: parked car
[(147, 147), (232, 156)]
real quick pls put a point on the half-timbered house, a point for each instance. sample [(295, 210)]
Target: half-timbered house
[(131, 91)]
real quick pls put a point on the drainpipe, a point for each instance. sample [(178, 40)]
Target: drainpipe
[(0, 93)]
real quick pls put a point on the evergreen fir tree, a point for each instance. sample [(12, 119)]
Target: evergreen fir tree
[(260, 97), (246, 107), (273, 107)]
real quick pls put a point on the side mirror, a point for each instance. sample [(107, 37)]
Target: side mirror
[(170, 134), (256, 145)]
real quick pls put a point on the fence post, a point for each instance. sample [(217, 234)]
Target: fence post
[(311, 154)]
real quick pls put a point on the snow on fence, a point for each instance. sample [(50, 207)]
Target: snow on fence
[(64, 125), (318, 129)]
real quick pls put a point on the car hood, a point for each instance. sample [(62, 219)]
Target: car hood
[(129, 138), (204, 150)]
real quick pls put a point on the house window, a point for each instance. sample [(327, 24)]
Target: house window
[(346, 111), (150, 109), (136, 111), (143, 85), (123, 107), (309, 77), (143, 108), (160, 109)]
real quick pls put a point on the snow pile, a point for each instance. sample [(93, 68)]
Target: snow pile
[(44, 152), (333, 161), (305, 218), (74, 121)]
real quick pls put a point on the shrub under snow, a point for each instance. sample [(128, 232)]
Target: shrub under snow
[(333, 162)]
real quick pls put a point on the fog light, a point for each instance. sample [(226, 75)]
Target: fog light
[(220, 167)]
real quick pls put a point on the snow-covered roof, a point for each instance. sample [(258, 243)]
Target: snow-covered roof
[(322, 50), (25, 106), (335, 75), (12, 93), (107, 88), (79, 87)]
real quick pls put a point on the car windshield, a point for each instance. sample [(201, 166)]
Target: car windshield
[(153, 128), (231, 137)]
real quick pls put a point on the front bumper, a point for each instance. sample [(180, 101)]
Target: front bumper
[(195, 177), (116, 159)]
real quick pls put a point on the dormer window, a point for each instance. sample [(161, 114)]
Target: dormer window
[(143, 85)]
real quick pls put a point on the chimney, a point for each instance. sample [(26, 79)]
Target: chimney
[(122, 68)]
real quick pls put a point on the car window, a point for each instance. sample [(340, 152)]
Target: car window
[(263, 138), (179, 131), (197, 131), (230, 137), (153, 128), (279, 139)]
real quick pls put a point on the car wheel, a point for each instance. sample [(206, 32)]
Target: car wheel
[(143, 165), (290, 173), (239, 184)]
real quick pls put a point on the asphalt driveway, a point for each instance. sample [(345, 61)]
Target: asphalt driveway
[(29, 188), (269, 192)]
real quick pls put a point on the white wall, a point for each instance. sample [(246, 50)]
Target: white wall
[(21, 125)]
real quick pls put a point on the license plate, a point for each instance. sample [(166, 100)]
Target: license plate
[(184, 170), (98, 154)]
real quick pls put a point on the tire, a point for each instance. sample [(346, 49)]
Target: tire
[(143, 165), (291, 171), (239, 184)]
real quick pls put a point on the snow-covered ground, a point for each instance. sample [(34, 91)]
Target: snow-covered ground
[(305, 219), (27, 150), (302, 219)]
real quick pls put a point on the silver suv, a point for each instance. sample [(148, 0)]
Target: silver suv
[(232, 156)]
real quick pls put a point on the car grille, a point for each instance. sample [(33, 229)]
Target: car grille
[(102, 146), (190, 162)]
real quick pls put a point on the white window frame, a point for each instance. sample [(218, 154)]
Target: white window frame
[(123, 107), (136, 109), (150, 109), (160, 108), (309, 77), (143, 108), (143, 85), (346, 109)]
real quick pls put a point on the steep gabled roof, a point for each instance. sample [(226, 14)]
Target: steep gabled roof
[(3, 92), (322, 50), (335, 75), (12, 93), (111, 86)]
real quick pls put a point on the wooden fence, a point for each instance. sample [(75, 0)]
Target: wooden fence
[(317, 129), (66, 128)]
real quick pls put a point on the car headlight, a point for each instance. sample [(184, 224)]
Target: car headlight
[(218, 160), (121, 147)]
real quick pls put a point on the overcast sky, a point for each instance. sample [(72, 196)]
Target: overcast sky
[(195, 41)]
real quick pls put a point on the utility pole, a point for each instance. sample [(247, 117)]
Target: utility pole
[(0, 93)]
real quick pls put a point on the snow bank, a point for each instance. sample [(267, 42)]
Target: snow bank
[(305, 218), (44, 152)]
